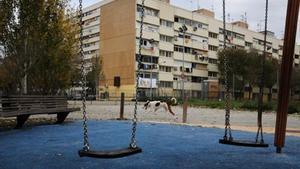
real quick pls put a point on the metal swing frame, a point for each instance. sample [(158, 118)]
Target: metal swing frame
[(133, 148), (227, 138)]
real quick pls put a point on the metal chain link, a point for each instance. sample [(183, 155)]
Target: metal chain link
[(262, 80), (227, 92), (86, 145), (133, 143)]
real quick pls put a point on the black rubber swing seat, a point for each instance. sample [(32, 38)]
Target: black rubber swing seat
[(110, 153), (245, 143)]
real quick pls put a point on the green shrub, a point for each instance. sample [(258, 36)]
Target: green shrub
[(253, 105), (294, 107), (249, 105)]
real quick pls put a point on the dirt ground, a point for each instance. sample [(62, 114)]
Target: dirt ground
[(205, 117)]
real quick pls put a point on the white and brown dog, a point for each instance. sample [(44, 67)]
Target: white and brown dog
[(155, 105)]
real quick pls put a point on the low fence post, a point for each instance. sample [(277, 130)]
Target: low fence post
[(185, 107), (122, 106)]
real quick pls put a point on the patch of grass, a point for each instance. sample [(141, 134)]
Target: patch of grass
[(237, 105)]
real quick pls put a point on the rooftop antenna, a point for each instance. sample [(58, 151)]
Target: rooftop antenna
[(198, 4), (258, 27), (246, 18), (242, 18), (213, 6), (228, 17)]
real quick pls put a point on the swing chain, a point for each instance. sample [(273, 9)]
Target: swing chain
[(227, 92), (134, 120), (262, 80), (86, 146)]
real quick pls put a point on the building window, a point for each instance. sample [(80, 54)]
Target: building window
[(212, 48), (213, 61), (147, 11), (91, 36), (248, 44), (165, 68), (183, 21), (296, 56), (213, 35), (201, 25), (196, 79), (200, 39), (239, 36), (165, 53), (178, 48), (89, 21), (148, 59), (166, 38), (166, 84), (212, 74), (276, 51), (148, 75), (166, 23), (91, 12)]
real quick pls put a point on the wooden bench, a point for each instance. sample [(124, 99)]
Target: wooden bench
[(24, 106)]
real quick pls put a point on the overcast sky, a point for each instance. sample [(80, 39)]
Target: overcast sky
[(254, 10)]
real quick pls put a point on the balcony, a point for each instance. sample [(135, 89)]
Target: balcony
[(149, 19), (187, 85), (187, 43), (196, 86), (200, 32), (200, 45), (239, 42), (153, 51), (213, 68), (148, 34), (214, 42), (213, 54), (93, 15), (92, 47), (166, 46), (187, 57), (199, 72), (166, 61), (144, 69), (92, 31), (258, 47), (166, 31), (165, 76), (91, 24), (94, 39)]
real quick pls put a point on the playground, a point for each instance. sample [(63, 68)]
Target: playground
[(124, 135), (164, 146)]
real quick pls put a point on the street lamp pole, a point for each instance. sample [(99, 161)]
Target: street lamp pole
[(183, 30), (151, 90)]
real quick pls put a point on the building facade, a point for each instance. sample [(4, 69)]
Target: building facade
[(172, 60), (91, 32)]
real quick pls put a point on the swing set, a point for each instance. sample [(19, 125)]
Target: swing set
[(86, 151)]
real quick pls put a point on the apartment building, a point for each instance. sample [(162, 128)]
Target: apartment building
[(172, 60), (91, 32)]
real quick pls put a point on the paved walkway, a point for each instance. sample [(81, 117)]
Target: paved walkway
[(164, 147), (241, 120)]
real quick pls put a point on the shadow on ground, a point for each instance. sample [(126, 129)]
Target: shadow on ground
[(164, 147)]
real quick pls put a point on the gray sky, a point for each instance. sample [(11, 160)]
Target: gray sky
[(236, 8)]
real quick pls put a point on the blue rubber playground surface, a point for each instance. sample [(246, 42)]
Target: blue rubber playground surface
[(164, 147)]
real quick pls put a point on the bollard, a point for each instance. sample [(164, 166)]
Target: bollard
[(184, 106), (122, 106)]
